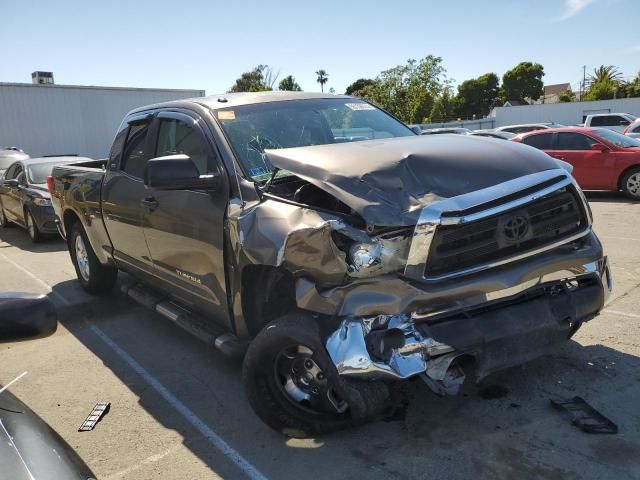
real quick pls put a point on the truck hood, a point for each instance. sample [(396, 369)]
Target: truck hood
[(389, 181)]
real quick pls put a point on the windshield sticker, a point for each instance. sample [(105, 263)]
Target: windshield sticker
[(254, 172), (359, 106), (226, 115)]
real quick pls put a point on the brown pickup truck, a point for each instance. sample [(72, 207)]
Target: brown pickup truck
[(335, 248)]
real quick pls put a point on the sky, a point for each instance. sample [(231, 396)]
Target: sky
[(206, 45)]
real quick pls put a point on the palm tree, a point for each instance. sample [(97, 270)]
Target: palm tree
[(322, 78), (605, 73)]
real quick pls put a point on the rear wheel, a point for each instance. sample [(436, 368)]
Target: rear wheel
[(32, 227), (93, 276), (630, 183), (4, 223), (293, 386)]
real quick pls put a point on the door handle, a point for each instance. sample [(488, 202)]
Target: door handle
[(150, 203)]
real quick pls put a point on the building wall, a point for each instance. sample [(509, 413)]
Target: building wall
[(565, 113), (65, 119)]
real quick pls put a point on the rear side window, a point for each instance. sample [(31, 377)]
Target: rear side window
[(542, 141), (133, 155), (574, 141), (608, 121), (175, 137)]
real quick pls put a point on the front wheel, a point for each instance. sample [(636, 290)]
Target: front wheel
[(32, 227), (94, 277), (294, 387), (630, 184)]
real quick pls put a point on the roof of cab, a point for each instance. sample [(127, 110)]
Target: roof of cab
[(226, 100)]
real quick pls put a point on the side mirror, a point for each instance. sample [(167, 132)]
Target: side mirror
[(11, 183), (177, 172), (598, 147), (25, 316), (416, 129)]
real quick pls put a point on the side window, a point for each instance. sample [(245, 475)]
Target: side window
[(133, 157), (116, 148), (542, 141), (11, 172), (175, 137), (573, 141), (637, 129)]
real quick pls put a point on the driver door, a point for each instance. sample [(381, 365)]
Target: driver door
[(592, 168)]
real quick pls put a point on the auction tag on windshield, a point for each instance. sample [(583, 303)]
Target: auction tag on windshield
[(359, 106), (226, 115)]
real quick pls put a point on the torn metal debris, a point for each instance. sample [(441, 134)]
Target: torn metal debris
[(584, 416), (99, 411)]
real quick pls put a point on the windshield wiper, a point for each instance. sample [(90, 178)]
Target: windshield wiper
[(268, 183)]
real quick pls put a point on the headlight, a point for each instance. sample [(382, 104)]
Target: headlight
[(382, 255), (42, 202)]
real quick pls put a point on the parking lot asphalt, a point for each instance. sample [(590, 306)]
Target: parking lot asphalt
[(178, 410)]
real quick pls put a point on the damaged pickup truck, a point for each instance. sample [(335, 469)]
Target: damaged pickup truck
[(334, 247)]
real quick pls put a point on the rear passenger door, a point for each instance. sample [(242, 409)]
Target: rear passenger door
[(122, 193), (184, 229)]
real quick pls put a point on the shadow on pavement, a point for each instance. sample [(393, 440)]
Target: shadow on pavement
[(19, 238), (608, 197), (517, 435)]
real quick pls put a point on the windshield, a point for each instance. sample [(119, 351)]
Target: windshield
[(251, 129), (38, 172), (617, 139)]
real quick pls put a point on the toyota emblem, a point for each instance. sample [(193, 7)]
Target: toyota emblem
[(515, 228)]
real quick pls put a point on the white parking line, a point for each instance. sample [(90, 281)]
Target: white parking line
[(212, 437), (12, 381)]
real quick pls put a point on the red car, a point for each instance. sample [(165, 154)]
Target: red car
[(601, 159)]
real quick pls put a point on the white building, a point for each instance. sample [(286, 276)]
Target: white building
[(570, 113), (48, 119)]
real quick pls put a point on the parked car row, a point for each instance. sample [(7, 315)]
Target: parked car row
[(24, 198)]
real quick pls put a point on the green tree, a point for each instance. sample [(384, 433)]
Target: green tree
[(477, 96), (358, 85), (408, 91), (566, 96), (522, 81), (289, 83), (605, 90), (256, 80), (605, 73), (444, 108), (323, 77), (632, 89)]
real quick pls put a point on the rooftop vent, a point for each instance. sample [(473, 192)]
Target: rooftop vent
[(42, 78)]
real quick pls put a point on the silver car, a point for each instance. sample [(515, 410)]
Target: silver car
[(8, 155), (633, 130)]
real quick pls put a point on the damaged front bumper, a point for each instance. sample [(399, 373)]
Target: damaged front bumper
[(524, 322)]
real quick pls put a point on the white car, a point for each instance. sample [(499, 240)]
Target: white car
[(633, 130), (527, 127), (611, 121), (8, 155)]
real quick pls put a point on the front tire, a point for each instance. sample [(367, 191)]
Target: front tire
[(94, 277), (294, 387), (32, 227), (630, 184)]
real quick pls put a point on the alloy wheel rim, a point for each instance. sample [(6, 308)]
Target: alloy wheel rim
[(30, 228), (633, 184), (304, 383), (82, 258)]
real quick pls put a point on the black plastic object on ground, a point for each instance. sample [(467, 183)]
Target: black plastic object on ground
[(584, 416), (99, 411)]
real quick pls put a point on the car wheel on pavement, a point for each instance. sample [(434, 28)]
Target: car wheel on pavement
[(94, 277), (4, 223), (294, 387), (32, 227), (630, 183)]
